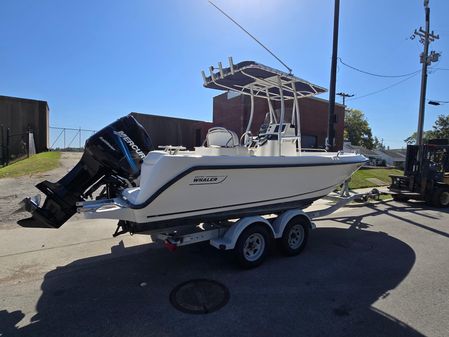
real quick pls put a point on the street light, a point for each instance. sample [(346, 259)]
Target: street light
[(431, 102)]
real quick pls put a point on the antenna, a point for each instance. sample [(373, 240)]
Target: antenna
[(252, 36)]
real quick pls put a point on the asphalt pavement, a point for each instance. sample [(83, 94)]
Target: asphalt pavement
[(380, 269)]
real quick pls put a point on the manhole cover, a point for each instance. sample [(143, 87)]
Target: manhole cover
[(199, 296)]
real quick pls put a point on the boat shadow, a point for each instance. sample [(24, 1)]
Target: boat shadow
[(331, 289)]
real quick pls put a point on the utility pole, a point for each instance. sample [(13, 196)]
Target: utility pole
[(330, 141), (425, 37), (344, 95)]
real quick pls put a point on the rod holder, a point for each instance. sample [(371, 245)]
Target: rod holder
[(231, 64), (220, 68), (211, 70)]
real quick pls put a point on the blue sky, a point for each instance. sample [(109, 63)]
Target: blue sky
[(95, 61)]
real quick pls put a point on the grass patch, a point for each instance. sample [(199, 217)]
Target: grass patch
[(383, 197), (360, 178), (40, 162)]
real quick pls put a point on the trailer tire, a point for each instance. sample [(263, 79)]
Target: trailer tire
[(252, 246), (295, 235), (440, 197)]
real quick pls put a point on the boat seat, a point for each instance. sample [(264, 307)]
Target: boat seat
[(221, 137)]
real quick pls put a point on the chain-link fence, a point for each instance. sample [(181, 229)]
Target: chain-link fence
[(14, 146), (69, 139)]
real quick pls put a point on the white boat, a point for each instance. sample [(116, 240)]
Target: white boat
[(230, 176)]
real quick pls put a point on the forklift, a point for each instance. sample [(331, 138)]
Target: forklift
[(425, 178)]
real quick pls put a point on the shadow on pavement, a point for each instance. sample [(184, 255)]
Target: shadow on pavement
[(397, 211), (326, 291)]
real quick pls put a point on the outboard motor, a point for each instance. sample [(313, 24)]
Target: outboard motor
[(112, 159)]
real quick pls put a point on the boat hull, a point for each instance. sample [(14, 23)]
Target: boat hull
[(223, 191)]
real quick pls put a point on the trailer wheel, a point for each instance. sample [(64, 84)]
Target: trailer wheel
[(440, 197), (252, 246), (295, 235)]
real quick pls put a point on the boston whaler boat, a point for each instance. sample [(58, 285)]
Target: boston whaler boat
[(228, 177)]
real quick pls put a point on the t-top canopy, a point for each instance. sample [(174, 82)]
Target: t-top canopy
[(262, 80)]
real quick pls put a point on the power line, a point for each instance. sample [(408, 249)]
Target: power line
[(446, 69), (345, 95), (383, 89), (252, 36), (373, 74)]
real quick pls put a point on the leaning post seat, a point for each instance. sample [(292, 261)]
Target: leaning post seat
[(221, 137)]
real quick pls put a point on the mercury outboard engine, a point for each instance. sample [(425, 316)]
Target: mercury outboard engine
[(111, 160)]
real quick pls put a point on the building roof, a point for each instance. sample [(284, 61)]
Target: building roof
[(324, 100), (402, 151), (362, 150), (170, 117), (20, 99), (395, 154)]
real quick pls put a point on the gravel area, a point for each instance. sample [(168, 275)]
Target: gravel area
[(13, 190)]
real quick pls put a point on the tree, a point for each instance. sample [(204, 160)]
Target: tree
[(440, 130), (378, 145), (441, 127), (425, 136), (357, 129)]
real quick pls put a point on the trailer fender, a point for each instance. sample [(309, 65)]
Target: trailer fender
[(283, 219), (229, 239)]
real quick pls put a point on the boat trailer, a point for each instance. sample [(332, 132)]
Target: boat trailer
[(251, 237)]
